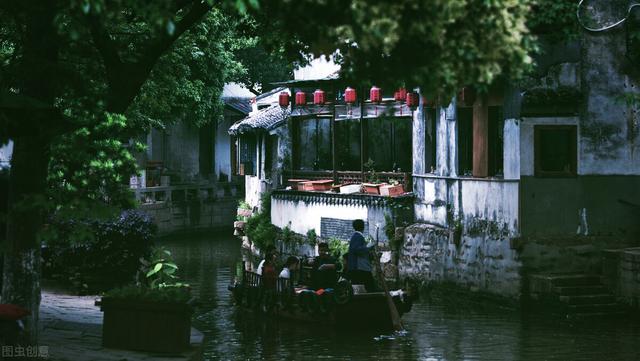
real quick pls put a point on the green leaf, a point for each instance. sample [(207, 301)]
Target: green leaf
[(155, 270)]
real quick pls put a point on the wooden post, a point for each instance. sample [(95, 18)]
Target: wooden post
[(363, 134), (334, 161), (481, 137)]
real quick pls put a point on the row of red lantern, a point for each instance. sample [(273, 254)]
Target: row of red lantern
[(375, 95)]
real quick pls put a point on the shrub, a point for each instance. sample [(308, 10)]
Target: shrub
[(338, 248), (259, 228), (96, 255)]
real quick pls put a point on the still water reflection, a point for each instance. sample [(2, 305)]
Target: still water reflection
[(435, 331)]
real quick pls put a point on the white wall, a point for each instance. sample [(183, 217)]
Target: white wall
[(6, 151), (301, 216), (223, 149)]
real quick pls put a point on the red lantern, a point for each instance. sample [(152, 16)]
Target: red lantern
[(401, 95), (375, 95), (350, 95), (283, 99), (318, 97), (412, 100), (301, 98)]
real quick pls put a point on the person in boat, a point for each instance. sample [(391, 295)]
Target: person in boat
[(269, 281), (358, 262), (291, 265), (324, 268), (270, 252)]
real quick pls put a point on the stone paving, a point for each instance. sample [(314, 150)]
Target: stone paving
[(71, 329)]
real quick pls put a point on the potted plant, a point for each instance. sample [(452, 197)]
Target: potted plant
[(371, 188), (152, 315), (393, 189), (243, 213)]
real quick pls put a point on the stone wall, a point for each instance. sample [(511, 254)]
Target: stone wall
[(621, 270), (477, 261)]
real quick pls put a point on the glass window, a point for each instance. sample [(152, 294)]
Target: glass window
[(555, 150), (389, 143), (313, 144)]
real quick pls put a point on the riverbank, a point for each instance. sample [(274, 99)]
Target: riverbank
[(71, 330)]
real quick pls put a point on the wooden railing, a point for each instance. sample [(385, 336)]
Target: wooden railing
[(348, 177)]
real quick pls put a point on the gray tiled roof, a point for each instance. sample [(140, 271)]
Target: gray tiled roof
[(243, 105), (265, 119)]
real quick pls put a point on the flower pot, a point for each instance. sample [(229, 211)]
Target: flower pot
[(350, 188), (322, 185), (391, 190), (371, 188), (146, 325), (296, 184)]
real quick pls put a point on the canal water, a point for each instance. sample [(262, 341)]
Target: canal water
[(435, 331)]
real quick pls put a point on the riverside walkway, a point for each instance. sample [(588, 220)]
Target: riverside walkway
[(71, 330)]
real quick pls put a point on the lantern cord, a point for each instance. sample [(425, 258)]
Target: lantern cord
[(608, 26)]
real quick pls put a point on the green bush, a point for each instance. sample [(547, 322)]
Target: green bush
[(259, 228), (96, 255), (160, 271), (338, 248)]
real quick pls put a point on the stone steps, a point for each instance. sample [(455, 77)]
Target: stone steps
[(579, 290), (574, 280), (575, 294), (603, 298), (594, 308)]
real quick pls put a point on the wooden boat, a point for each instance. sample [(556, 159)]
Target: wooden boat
[(345, 305)]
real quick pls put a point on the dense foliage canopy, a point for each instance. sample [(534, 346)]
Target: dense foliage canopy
[(439, 45)]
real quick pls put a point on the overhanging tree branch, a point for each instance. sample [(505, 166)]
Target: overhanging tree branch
[(103, 42), (164, 41)]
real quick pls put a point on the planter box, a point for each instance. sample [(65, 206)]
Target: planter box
[(322, 185), (296, 184), (371, 188), (146, 326), (351, 188), (391, 191), (317, 185)]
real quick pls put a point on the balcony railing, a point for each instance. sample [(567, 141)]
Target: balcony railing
[(350, 177), (185, 192)]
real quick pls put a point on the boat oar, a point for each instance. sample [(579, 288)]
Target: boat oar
[(393, 311)]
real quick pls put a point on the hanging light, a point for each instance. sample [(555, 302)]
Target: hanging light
[(412, 100), (400, 95), (283, 99), (318, 97), (350, 95), (375, 95), (301, 98)]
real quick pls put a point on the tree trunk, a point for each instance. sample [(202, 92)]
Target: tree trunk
[(21, 274), (29, 163)]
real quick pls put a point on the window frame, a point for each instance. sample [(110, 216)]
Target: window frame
[(573, 151)]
